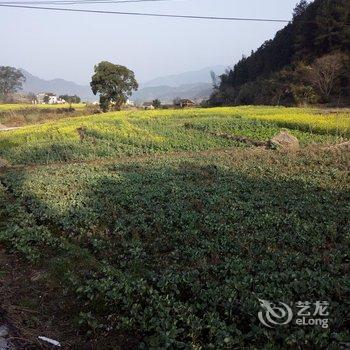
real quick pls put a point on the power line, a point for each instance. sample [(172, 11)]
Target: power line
[(72, 2), (75, 2), (148, 14)]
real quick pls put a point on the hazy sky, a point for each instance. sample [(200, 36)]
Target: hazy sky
[(67, 45)]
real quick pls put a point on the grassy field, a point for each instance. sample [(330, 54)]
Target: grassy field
[(17, 106), (19, 115), (161, 235), (136, 133)]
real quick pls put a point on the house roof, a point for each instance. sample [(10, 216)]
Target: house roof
[(186, 100)]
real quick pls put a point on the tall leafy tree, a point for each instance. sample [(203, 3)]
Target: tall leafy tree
[(11, 80), (114, 83), (71, 99), (156, 103)]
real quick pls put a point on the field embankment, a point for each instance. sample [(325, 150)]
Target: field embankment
[(19, 106)]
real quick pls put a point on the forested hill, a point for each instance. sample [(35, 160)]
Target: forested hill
[(287, 70)]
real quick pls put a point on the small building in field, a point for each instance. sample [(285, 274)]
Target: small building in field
[(148, 105), (184, 102), (61, 101), (52, 100)]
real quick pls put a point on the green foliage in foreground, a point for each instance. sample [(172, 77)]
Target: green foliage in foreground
[(176, 252), (137, 133)]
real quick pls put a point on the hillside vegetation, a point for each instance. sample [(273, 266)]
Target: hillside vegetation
[(292, 68), (158, 231)]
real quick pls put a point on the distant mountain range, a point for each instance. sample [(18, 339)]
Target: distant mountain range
[(57, 86), (193, 85), (167, 94), (196, 85), (192, 77)]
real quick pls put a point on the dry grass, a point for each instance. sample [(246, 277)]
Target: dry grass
[(33, 115), (18, 106)]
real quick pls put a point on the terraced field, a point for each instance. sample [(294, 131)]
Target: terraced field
[(161, 233), (137, 133)]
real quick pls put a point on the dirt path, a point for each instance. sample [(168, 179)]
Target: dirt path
[(29, 307), (16, 289), (6, 128)]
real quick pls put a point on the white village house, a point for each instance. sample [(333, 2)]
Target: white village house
[(52, 99), (130, 103)]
